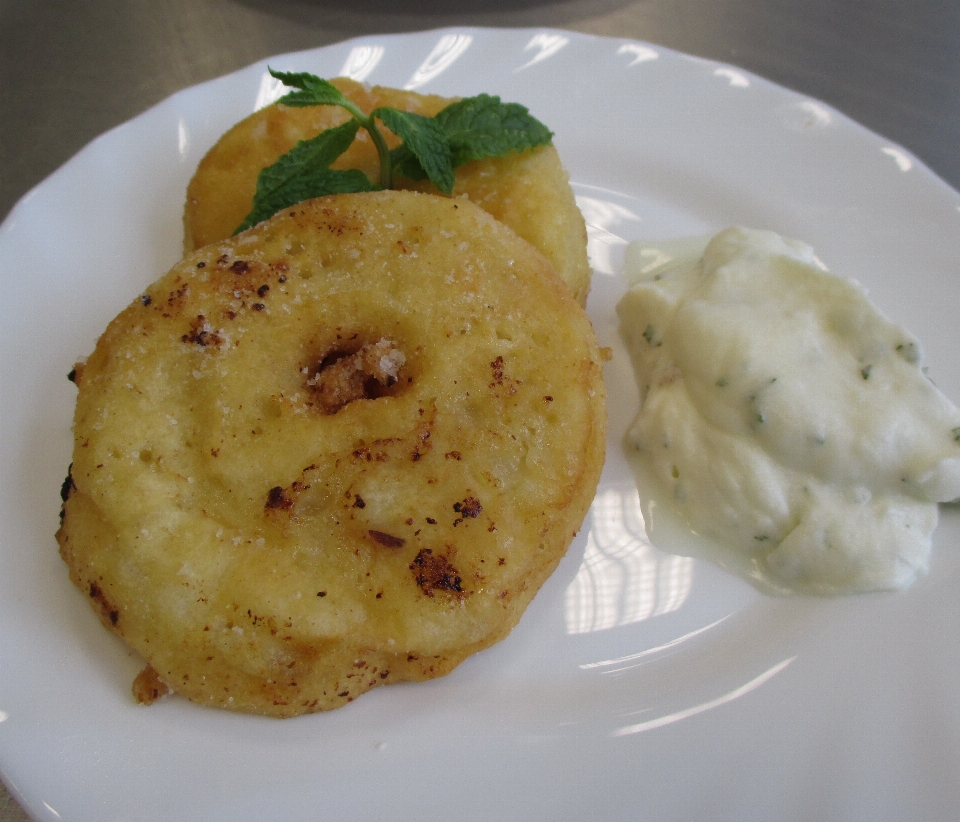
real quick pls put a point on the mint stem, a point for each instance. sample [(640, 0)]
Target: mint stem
[(383, 150)]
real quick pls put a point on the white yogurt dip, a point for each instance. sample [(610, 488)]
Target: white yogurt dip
[(785, 416)]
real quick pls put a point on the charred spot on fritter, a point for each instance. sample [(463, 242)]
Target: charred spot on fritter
[(283, 499), (500, 378), (422, 447), (76, 373), (106, 607), (387, 540), (66, 489), (202, 333), (497, 368), (434, 572), (68, 484), (348, 373), (178, 298), (469, 508), (148, 687)]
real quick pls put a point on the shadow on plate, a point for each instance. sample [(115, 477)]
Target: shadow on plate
[(373, 16)]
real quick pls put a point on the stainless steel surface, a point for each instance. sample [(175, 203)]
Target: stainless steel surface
[(72, 70)]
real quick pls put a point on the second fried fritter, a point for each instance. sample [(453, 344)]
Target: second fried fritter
[(529, 191)]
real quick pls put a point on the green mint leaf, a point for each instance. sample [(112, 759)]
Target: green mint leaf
[(313, 91), (478, 127), (425, 140), (406, 163), (482, 126), (304, 172), (318, 183)]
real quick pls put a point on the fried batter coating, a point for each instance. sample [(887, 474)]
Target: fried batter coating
[(267, 550), (528, 191)]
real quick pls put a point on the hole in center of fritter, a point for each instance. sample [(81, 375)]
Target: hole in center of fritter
[(359, 372)]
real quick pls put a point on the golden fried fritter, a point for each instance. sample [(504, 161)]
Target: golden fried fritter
[(529, 191), (269, 549)]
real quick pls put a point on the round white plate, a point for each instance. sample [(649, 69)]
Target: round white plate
[(640, 684)]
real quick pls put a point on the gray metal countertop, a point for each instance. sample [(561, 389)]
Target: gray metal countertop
[(72, 70)]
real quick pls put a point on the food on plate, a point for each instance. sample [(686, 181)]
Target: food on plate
[(340, 450), (528, 190), (786, 416)]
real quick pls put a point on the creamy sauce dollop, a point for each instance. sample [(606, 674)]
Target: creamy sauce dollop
[(785, 416)]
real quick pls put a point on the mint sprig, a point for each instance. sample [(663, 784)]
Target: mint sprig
[(431, 147)]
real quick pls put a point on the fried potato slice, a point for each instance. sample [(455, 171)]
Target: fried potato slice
[(268, 549), (529, 191)]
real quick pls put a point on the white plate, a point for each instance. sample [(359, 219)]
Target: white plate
[(639, 685)]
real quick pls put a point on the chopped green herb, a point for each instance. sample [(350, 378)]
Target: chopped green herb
[(722, 382), (909, 351), (762, 538), (648, 334), (865, 371), (956, 434), (431, 147)]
